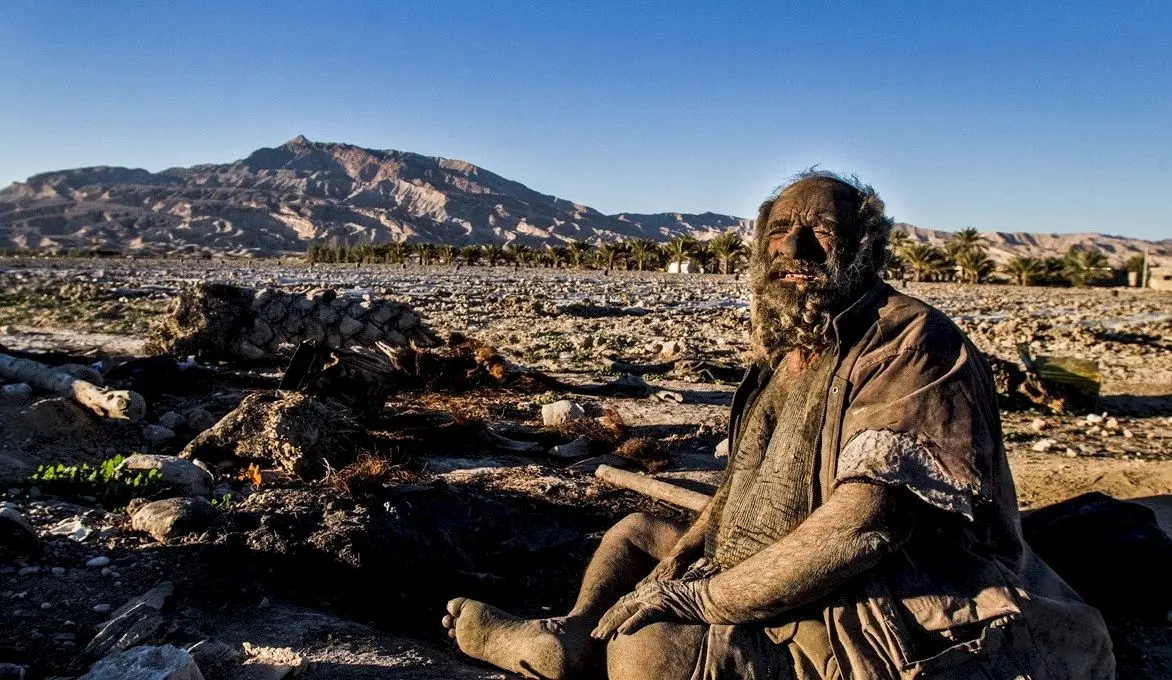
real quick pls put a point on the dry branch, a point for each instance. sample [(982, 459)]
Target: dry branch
[(122, 404), (653, 488)]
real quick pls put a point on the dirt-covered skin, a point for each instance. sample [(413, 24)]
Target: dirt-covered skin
[(528, 527)]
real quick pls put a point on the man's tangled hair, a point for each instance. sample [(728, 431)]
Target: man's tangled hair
[(785, 319)]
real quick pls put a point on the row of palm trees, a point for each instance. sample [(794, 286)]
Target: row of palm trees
[(962, 258), (725, 253), (965, 258)]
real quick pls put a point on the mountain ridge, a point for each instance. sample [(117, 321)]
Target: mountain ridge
[(279, 200)]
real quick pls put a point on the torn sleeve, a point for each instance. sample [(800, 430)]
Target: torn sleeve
[(897, 459), (912, 420)]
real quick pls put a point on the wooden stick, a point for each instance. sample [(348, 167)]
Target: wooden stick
[(121, 404), (649, 486)]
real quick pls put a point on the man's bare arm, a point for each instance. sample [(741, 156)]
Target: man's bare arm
[(859, 524)]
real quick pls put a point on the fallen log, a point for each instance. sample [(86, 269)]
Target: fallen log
[(121, 404), (653, 488)]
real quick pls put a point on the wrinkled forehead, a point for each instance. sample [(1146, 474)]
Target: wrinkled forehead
[(816, 199)]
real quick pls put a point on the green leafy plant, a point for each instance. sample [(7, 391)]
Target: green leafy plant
[(107, 481)]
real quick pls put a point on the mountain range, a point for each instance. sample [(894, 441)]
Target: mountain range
[(280, 200)]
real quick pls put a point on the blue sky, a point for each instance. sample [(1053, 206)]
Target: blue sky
[(1005, 116)]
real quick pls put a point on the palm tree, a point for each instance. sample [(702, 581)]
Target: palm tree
[(424, 251), (396, 252), (518, 252), (680, 249), (644, 252), (728, 248), (471, 254), (578, 252), (1025, 271), (967, 239), (1082, 266), (558, 255), (975, 265), (608, 253), (494, 254), (899, 240), (924, 260), (446, 254)]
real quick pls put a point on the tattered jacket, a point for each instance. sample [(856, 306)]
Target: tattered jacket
[(966, 584)]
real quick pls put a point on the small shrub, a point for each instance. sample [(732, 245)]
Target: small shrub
[(107, 481)]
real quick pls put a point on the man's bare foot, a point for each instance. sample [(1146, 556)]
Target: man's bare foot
[(537, 648)]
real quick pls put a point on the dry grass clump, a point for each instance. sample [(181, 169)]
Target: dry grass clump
[(607, 430), (646, 452), (368, 474)]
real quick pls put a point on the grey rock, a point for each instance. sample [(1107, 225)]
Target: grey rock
[(1043, 445), (146, 663), (98, 562), (157, 434), (179, 474), (561, 412), (16, 393), (578, 448), (73, 529), (173, 517), (155, 598), (172, 420), (55, 416), (141, 624), (12, 671), (217, 660), (17, 535), (199, 419)]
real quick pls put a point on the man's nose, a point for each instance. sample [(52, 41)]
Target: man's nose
[(799, 243)]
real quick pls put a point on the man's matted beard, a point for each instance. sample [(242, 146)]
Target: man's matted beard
[(787, 315)]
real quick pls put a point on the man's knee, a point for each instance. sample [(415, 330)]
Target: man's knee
[(660, 651), (646, 532)]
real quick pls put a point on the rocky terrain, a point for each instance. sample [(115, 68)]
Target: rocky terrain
[(253, 571), (279, 200)]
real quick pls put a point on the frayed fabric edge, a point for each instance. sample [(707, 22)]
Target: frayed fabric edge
[(899, 459)]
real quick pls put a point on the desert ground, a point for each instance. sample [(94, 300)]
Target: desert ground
[(346, 576)]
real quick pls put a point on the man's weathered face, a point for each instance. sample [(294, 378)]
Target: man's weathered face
[(799, 263), (804, 227)]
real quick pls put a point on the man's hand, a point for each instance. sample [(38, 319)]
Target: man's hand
[(669, 568), (655, 602)]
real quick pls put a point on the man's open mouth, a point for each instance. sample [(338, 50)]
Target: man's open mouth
[(796, 276)]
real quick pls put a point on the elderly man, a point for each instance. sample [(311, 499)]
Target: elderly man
[(867, 525)]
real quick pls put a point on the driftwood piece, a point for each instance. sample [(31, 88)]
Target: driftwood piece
[(653, 488), (122, 404)]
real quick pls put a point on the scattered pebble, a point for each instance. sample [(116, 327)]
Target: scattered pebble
[(100, 561)]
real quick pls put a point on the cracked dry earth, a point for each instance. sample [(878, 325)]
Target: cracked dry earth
[(354, 579)]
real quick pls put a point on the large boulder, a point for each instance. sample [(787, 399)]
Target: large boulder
[(181, 475), (561, 412), (303, 435), (171, 518), (17, 535), (146, 663)]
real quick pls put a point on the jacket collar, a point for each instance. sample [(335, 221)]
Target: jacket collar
[(860, 315)]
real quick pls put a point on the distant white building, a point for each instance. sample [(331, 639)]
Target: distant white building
[(684, 267)]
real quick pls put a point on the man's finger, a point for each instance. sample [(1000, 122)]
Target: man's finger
[(642, 617), (613, 618)]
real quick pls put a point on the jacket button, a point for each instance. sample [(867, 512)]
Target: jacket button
[(834, 390)]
